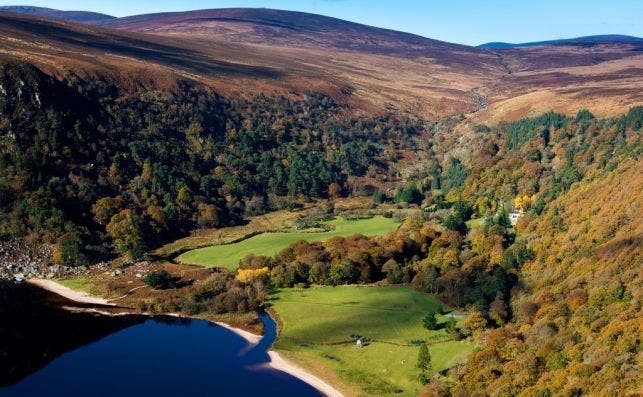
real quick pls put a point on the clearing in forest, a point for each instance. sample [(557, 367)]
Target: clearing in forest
[(269, 244)]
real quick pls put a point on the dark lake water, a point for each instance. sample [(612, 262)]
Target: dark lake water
[(159, 357)]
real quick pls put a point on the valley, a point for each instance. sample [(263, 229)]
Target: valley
[(397, 215)]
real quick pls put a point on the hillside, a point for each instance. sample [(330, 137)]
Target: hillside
[(514, 83), (577, 321), (242, 51), (298, 29), (363, 80), (70, 16)]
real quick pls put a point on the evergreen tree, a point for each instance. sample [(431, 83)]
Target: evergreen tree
[(424, 358), (429, 321)]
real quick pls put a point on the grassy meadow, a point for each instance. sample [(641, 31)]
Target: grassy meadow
[(269, 244), (317, 325), (78, 283)]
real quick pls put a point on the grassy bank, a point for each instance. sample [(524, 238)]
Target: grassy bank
[(268, 244), (317, 325), (78, 283)]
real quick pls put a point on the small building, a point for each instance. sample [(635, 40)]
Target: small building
[(514, 215)]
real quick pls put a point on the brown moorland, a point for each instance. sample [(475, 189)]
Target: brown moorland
[(245, 51)]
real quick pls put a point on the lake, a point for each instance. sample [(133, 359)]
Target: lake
[(162, 356)]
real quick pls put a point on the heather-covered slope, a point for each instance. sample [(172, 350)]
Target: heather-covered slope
[(244, 51), (601, 73), (368, 81), (298, 29)]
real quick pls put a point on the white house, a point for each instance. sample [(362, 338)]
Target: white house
[(514, 215)]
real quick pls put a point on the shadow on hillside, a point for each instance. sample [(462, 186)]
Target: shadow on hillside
[(137, 48)]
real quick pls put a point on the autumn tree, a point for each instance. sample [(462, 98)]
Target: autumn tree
[(158, 217), (249, 275), (183, 197), (104, 208), (498, 311), (334, 190), (69, 250), (207, 215), (474, 323), (146, 172), (125, 229)]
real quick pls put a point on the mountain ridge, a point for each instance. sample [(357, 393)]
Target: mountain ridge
[(137, 22), (583, 40), (280, 27)]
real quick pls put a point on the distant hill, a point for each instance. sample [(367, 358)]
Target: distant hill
[(586, 40), (306, 52), (246, 51), (290, 28), (419, 72), (70, 16)]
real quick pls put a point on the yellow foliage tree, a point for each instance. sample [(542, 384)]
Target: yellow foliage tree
[(146, 172), (523, 202), (248, 275)]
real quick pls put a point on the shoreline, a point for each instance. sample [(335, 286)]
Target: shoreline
[(247, 335), (66, 292), (281, 364), (276, 361)]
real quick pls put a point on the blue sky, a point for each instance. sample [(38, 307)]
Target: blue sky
[(468, 22)]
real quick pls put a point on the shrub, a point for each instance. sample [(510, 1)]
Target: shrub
[(160, 280), (409, 194), (379, 196)]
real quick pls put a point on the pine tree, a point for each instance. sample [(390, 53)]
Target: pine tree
[(429, 321), (424, 358)]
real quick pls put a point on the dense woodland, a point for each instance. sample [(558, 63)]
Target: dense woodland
[(553, 300), (575, 312), (98, 173)]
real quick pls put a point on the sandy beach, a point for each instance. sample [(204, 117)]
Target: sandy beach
[(73, 295), (279, 363), (249, 336), (276, 361)]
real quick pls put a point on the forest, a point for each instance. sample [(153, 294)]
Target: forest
[(100, 174)]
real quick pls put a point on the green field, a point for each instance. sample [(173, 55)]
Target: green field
[(317, 325), (77, 283), (268, 244)]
